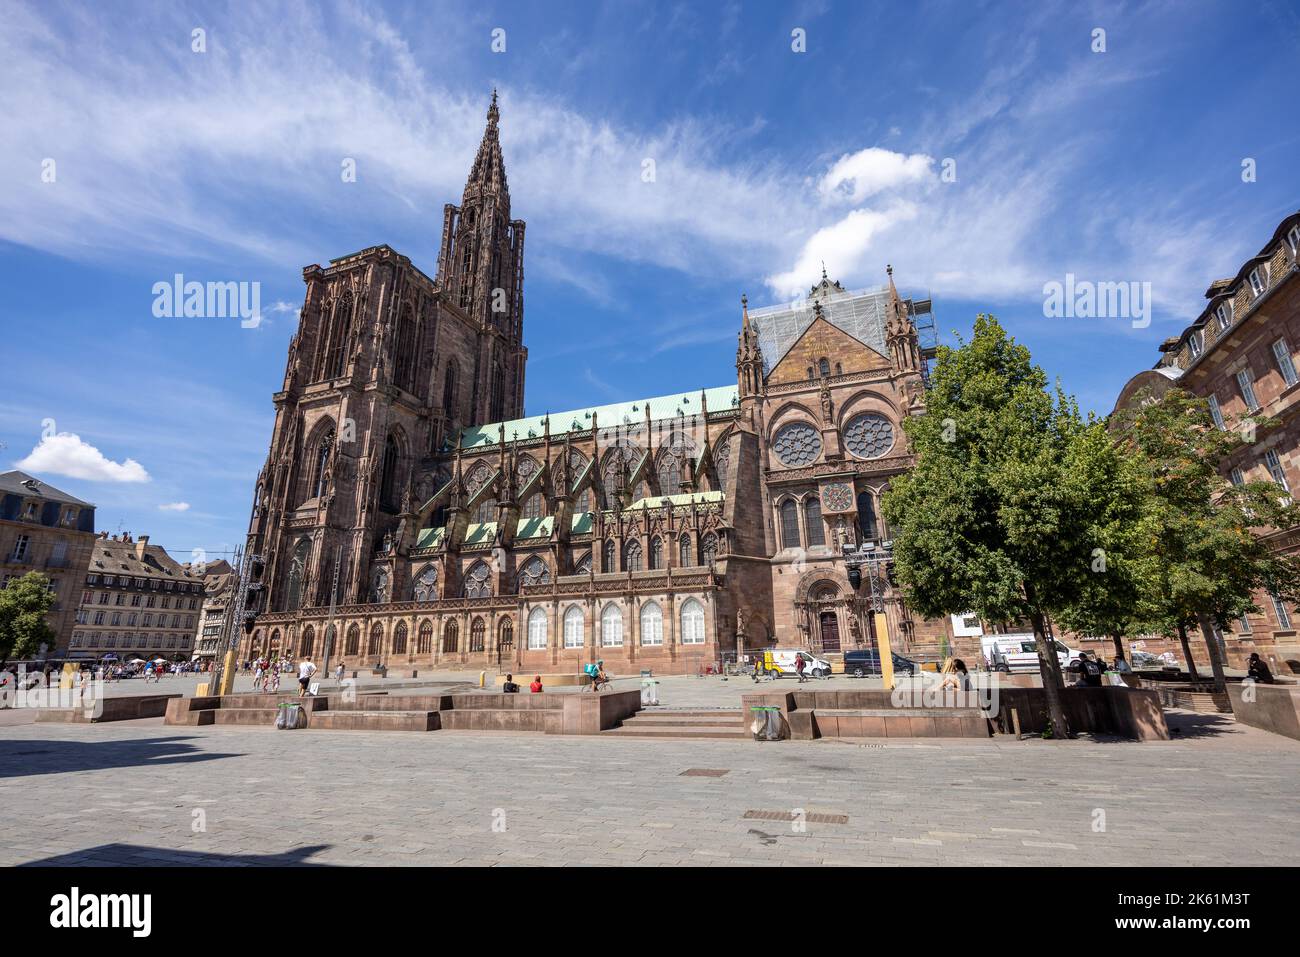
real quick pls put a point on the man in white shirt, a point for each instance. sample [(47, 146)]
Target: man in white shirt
[(305, 670)]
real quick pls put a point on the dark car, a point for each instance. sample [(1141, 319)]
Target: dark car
[(867, 662)]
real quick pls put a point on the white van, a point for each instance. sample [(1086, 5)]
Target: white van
[(780, 663), (1018, 653)]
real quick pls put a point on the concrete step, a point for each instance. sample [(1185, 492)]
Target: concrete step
[(375, 721), (723, 721), (264, 717), (694, 732), (736, 713)]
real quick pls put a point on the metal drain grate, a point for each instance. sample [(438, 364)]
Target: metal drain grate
[(703, 773), (790, 816)]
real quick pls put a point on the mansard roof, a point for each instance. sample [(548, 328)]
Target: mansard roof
[(614, 415), (20, 483)]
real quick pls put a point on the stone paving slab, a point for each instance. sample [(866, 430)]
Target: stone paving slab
[(141, 793)]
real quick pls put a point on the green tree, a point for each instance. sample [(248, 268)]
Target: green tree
[(24, 603), (997, 515), (1207, 556)]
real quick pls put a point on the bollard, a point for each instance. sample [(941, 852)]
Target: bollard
[(1015, 722), (482, 679)]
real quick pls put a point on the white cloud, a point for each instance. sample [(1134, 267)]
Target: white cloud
[(66, 454), (842, 246), (857, 176), (175, 507)]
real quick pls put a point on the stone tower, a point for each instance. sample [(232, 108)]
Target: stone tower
[(386, 366)]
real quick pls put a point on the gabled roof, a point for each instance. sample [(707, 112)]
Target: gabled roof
[(861, 314)]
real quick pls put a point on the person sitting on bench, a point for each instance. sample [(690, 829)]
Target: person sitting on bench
[(510, 687)]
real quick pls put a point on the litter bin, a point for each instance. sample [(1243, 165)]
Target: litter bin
[(768, 724), (290, 717), (649, 692)]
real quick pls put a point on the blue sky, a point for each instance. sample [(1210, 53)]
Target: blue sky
[(224, 165)]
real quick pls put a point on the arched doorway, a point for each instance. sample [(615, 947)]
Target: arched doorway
[(505, 641), (830, 632)]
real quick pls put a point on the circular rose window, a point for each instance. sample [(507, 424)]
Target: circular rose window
[(869, 436), (797, 444)]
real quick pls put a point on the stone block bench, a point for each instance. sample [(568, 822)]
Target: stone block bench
[(125, 708)]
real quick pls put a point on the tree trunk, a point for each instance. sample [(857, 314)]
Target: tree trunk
[(1119, 646), (1049, 666), (1187, 652), (1216, 662)]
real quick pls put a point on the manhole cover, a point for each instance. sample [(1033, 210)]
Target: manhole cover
[(790, 816), (703, 773)]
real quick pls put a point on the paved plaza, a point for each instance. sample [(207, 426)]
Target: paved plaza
[(141, 793)]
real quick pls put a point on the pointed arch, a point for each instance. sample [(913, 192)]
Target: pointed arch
[(537, 630), (632, 555), (535, 571), (575, 625), (692, 622), (611, 626), (478, 581), (477, 633), (450, 637), (399, 638)]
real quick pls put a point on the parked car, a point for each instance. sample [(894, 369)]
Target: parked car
[(780, 663), (866, 661)]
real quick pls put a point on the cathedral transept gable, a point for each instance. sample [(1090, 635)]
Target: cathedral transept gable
[(825, 350)]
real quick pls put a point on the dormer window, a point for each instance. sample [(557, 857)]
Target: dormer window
[(1293, 240), (1194, 344), (1224, 314), (1259, 279)]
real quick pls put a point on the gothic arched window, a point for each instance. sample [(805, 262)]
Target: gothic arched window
[(684, 551), (376, 639), (632, 556), (584, 501), (336, 360), (478, 582), (692, 622), (477, 631), (425, 586), (789, 524), (498, 393), (708, 548), (308, 641), (424, 642), (486, 512), (534, 572), (583, 567), (388, 481), (399, 638), (608, 562), (812, 515), (611, 626), (866, 516), (575, 622), (404, 365), (353, 646), (450, 638), (536, 629), (652, 624), (532, 507), (321, 468), (656, 553), (505, 634), (449, 392), (297, 572), (824, 366)]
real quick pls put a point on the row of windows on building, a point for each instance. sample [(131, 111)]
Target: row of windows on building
[(814, 532), (88, 598), (23, 554), (145, 620), (124, 581), (1246, 381), (573, 628), (94, 639)]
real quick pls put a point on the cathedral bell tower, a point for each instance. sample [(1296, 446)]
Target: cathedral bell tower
[(481, 272)]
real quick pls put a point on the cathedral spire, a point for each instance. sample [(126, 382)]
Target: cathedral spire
[(489, 170)]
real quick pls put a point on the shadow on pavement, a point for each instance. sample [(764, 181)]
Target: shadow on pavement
[(1190, 724), (133, 855), (23, 758)]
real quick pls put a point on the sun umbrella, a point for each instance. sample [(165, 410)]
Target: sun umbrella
[(136, 661)]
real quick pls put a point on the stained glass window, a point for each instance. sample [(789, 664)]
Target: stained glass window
[(869, 436), (797, 444), (478, 583)]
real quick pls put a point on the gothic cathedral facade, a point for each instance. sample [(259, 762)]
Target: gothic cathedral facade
[(411, 515)]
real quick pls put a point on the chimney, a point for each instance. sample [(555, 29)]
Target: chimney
[(140, 544)]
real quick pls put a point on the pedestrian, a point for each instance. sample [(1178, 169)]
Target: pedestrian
[(1091, 672), (1121, 665), (1258, 669), (273, 681), (799, 666), (305, 670), (963, 679), (536, 686), (509, 686), (338, 673)]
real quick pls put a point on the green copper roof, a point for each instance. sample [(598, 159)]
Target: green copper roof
[(685, 498), (480, 532), (583, 522), (430, 537), (535, 527), (719, 398)]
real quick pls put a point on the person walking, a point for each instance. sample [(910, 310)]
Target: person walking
[(305, 670), (338, 672), (799, 667)]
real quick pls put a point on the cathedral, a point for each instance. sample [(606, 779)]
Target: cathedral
[(411, 515)]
